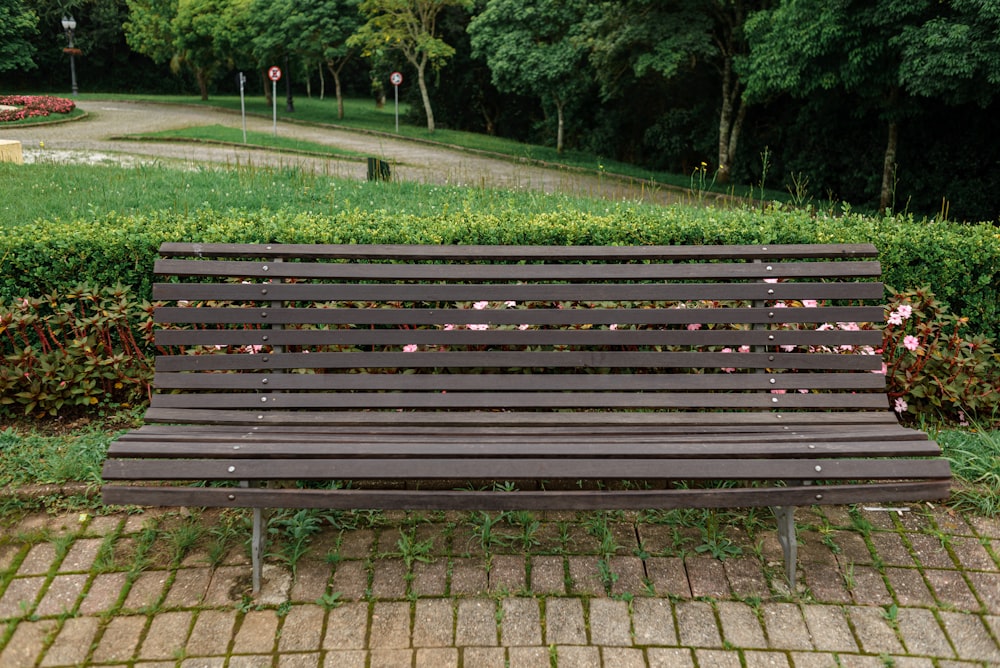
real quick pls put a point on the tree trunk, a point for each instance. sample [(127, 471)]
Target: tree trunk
[(335, 71), (885, 202), (424, 95), (560, 125), (730, 121), (322, 82), (202, 77)]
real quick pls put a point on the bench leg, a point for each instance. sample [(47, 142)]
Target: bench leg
[(257, 548), (786, 536)]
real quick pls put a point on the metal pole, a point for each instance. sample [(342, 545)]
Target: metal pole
[(274, 100), (243, 107), (72, 63), (396, 86)]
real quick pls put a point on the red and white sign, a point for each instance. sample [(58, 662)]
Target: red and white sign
[(396, 78), (274, 73)]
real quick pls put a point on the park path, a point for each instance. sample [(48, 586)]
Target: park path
[(98, 139)]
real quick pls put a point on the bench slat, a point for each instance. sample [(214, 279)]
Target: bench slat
[(523, 468), (516, 272), (493, 253)]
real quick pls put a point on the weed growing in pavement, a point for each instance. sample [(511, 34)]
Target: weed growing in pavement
[(183, 537), (292, 532), (330, 600), (411, 551)]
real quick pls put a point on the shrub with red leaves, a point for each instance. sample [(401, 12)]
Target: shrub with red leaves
[(33, 106)]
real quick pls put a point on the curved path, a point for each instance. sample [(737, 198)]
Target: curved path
[(93, 139)]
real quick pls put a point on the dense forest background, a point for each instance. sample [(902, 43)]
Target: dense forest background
[(885, 104)]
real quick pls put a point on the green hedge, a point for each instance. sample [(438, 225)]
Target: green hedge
[(960, 262)]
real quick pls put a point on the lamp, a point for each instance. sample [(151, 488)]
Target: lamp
[(69, 25)]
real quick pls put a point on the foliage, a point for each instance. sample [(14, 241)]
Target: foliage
[(17, 25), (33, 459), (72, 349), (33, 106), (974, 453)]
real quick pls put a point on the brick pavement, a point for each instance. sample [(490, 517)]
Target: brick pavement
[(161, 589)]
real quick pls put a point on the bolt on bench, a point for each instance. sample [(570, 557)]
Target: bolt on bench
[(704, 376)]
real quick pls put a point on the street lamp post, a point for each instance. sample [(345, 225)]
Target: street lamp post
[(69, 25)]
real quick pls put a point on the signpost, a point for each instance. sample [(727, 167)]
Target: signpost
[(243, 106), (274, 73), (396, 78)]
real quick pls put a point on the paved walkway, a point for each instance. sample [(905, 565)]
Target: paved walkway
[(164, 589)]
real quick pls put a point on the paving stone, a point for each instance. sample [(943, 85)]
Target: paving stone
[(433, 623), (9, 553), (350, 580), (146, 590), (785, 626), (746, 577), (826, 583), (922, 634), (891, 549), (707, 576), (571, 656), (653, 622), (188, 588), (81, 555), (970, 637), (987, 585), (740, 626), (521, 622), (815, 660), (812, 550), (204, 662), (911, 662), (696, 625), (564, 622), (717, 658), (585, 575), (862, 661), (257, 633), (251, 661), (873, 631), (610, 623), (476, 623), (275, 584), (971, 554), (25, 644), (72, 644), (951, 589), (629, 573), (985, 526), (930, 552), (869, 587), (19, 598), (39, 560), (548, 575), (302, 629), (390, 625), (759, 659), (299, 660), (660, 657), (390, 658), (622, 657), (853, 548), (437, 657), (62, 595), (829, 629), (507, 574), (668, 576), (212, 631), (484, 657), (430, 578), (909, 587), (356, 544), (347, 627), (120, 639), (344, 659), (167, 635), (468, 577), (389, 578), (528, 657), (310, 584), (104, 592)]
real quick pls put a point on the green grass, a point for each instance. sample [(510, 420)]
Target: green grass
[(975, 459), (34, 458), (221, 134), (57, 192), (41, 120)]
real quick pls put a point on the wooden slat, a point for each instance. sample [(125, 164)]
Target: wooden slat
[(522, 468), (585, 292), (515, 272), (265, 316)]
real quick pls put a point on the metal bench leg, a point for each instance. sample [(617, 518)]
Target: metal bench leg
[(786, 536), (257, 548)]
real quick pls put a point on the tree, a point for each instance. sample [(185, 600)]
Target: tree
[(672, 38), (17, 26), (149, 29), (410, 27), (534, 47)]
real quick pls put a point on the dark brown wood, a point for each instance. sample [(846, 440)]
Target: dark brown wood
[(661, 364)]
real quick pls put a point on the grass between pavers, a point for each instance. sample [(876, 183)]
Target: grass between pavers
[(221, 134)]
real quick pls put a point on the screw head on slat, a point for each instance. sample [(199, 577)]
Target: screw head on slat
[(264, 268), (264, 291), (232, 469), (770, 358), (265, 358), (264, 381), (231, 497), (819, 496), (818, 468), (770, 314), (770, 337), (260, 417), (264, 338), (263, 314), (772, 381), (770, 268), (263, 400), (770, 291), (774, 400), (236, 447)]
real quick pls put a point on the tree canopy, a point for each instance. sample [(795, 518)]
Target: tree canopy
[(17, 25)]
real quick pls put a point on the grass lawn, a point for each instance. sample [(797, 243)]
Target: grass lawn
[(221, 134)]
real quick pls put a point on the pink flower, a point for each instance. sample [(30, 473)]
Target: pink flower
[(694, 326), (478, 328), (895, 319), (770, 280), (900, 405), (744, 349), (410, 348), (810, 303), (523, 327), (510, 304), (778, 391), (613, 327), (449, 328), (911, 342), (905, 311), (479, 306), (884, 370), (849, 326)]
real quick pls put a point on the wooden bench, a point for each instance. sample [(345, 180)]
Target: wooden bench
[(407, 370)]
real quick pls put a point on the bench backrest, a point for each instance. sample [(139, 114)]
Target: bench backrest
[(290, 333)]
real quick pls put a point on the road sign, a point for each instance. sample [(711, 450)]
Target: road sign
[(396, 78), (274, 73)]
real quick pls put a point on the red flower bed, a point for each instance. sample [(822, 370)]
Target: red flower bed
[(33, 106)]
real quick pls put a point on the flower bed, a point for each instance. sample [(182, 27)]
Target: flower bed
[(33, 106)]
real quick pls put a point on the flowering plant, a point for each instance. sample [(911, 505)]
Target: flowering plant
[(33, 106)]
